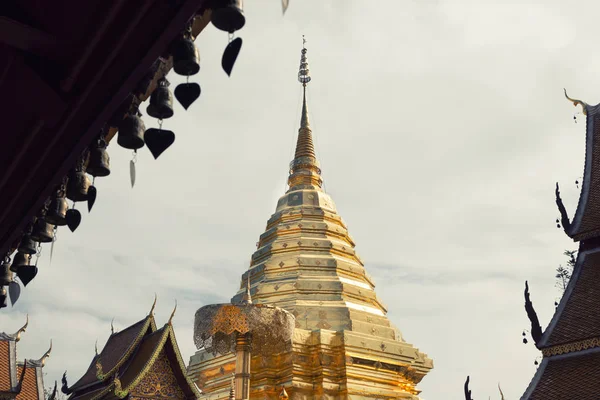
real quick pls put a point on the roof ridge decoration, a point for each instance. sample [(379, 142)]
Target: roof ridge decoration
[(42, 360), (182, 365), (17, 335), (112, 326), (172, 314), (53, 394), (536, 329), (153, 306)]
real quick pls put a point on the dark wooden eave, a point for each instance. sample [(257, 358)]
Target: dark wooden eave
[(65, 68)]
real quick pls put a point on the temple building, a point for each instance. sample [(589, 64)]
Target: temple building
[(571, 343), (139, 362), (21, 380), (343, 345)]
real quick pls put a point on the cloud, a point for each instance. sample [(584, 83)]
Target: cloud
[(441, 130)]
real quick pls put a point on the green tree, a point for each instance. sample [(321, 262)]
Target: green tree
[(564, 273)]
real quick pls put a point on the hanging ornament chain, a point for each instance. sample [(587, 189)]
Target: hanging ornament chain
[(38, 253)]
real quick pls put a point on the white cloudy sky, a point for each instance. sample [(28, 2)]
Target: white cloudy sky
[(441, 128)]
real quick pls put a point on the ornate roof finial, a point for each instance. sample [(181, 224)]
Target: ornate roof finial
[(577, 102), (112, 327), (17, 335), (42, 360), (99, 371), (96, 347), (247, 299), (172, 314), (153, 306)]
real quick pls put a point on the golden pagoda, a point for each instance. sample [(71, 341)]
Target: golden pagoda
[(343, 345)]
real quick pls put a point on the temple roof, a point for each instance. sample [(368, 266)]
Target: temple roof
[(586, 221), (128, 358), (118, 348), (20, 380), (570, 376)]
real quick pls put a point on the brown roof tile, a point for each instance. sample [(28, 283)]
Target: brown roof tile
[(113, 352), (580, 317), (588, 208), (571, 378), (4, 366), (29, 388)]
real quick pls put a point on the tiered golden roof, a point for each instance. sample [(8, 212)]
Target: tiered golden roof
[(343, 345)]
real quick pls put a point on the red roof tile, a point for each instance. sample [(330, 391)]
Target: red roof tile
[(4, 366), (29, 388)]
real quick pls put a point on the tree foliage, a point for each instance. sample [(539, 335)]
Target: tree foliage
[(564, 273)]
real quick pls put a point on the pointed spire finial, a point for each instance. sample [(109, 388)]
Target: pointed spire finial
[(577, 103), (247, 299), (42, 360), (151, 313), (112, 326), (173, 314), (96, 347), (283, 394), (17, 335), (304, 169)]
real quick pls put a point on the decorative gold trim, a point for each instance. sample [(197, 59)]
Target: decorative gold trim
[(182, 364), (151, 360), (571, 347), (172, 314), (99, 373), (119, 392)]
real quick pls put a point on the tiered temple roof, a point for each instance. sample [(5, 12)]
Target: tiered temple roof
[(21, 380), (344, 346), (571, 342), (141, 361)]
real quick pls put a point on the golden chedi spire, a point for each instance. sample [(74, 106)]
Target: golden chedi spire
[(304, 168), (305, 263)]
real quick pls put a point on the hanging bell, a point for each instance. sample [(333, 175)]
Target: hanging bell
[(131, 132), (27, 245), (228, 15), (77, 186), (6, 275), (161, 101), (20, 260), (99, 163), (186, 58), (57, 211), (42, 231)]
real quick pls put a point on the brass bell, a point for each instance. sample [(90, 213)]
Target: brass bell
[(77, 186), (20, 260), (57, 211), (6, 275), (99, 163), (131, 132), (27, 245), (161, 101), (228, 15), (186, 58), (42, 231)]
